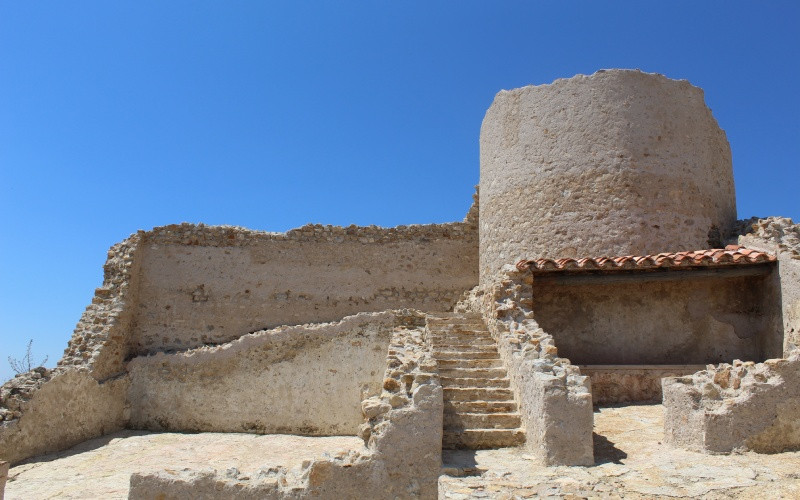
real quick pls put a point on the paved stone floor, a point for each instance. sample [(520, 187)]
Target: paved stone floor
[(101, 468), (631, 463)]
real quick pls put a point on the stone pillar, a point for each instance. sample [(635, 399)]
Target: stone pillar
[(620, 162)]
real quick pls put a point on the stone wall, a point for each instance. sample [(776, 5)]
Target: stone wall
[(616, 163), (691, 318), (781, 236), (208, 285), (307, 379), (402, 431), (554, 399), (59, 409), (743, 406)]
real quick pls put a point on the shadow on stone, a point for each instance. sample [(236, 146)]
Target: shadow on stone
[(605, 451), (460, 463)]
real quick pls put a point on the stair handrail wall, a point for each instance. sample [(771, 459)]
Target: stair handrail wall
[(554, 399)]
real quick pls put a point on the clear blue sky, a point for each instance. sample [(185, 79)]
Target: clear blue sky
[(118, 116)]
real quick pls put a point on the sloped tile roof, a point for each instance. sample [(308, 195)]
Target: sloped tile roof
[(731, 255)]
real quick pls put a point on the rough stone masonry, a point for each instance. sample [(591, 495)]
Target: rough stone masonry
[(620, 183)]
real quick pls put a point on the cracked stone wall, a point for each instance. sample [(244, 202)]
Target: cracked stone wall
[(619, 162)]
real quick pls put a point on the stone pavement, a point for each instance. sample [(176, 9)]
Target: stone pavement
[(101, 468), (631, 462)]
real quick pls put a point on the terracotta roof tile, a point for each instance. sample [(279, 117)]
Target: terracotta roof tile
[(715, 257)]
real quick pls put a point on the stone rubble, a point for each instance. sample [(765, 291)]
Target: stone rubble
[(736, 407)]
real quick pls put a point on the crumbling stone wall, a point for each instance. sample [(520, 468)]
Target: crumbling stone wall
[(307, 379), (402, 431), (209, 285), (555, 400), (781, 236), (743, 406), (619, 162)]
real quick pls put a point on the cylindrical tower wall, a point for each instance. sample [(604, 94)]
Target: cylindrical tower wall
[(620, 162)]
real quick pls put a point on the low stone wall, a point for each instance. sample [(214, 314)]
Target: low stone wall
[(307, 379), (56, 410), (614, 384), (402, 430), (743, 406), (555, 400), (780, 236)]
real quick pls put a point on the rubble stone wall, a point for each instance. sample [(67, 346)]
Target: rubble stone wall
[(67, 406), (781, 236), (619, 162), (402, 431), (208, 285), (307, 379), (743, 406), (555, 400), (691, 320)]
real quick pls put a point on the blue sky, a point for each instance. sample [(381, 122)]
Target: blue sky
[(118, 116)]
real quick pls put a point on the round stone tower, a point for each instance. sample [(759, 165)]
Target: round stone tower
[(620, 162)]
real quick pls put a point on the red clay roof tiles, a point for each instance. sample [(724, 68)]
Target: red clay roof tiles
[(730, 255)]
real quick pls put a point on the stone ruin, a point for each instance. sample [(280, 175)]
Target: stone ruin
[(601, 262)]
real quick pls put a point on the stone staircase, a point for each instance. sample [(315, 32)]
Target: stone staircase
[(479, 407)]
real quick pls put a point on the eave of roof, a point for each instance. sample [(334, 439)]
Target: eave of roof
[(731, 255)]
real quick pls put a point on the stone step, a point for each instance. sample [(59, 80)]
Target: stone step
[(482, 420), (482, 341), (465, 347), (477, 394), (480, 406), (466, 326), (444, 326), (474, 382), (465, 355), (451, 314), (482, 439), (472, 372), (469, 363)]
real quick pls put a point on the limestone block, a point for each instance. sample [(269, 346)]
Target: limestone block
[(743, 406), (616, 163)]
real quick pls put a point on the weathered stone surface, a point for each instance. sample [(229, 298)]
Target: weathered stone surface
[(632, 463), (615, 384), (401, 459), (555, 400), (619, 162), (192, 277), (307, 379), (66, 409), (781, 236), (744, 406), (3, 478), (101, 467)]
